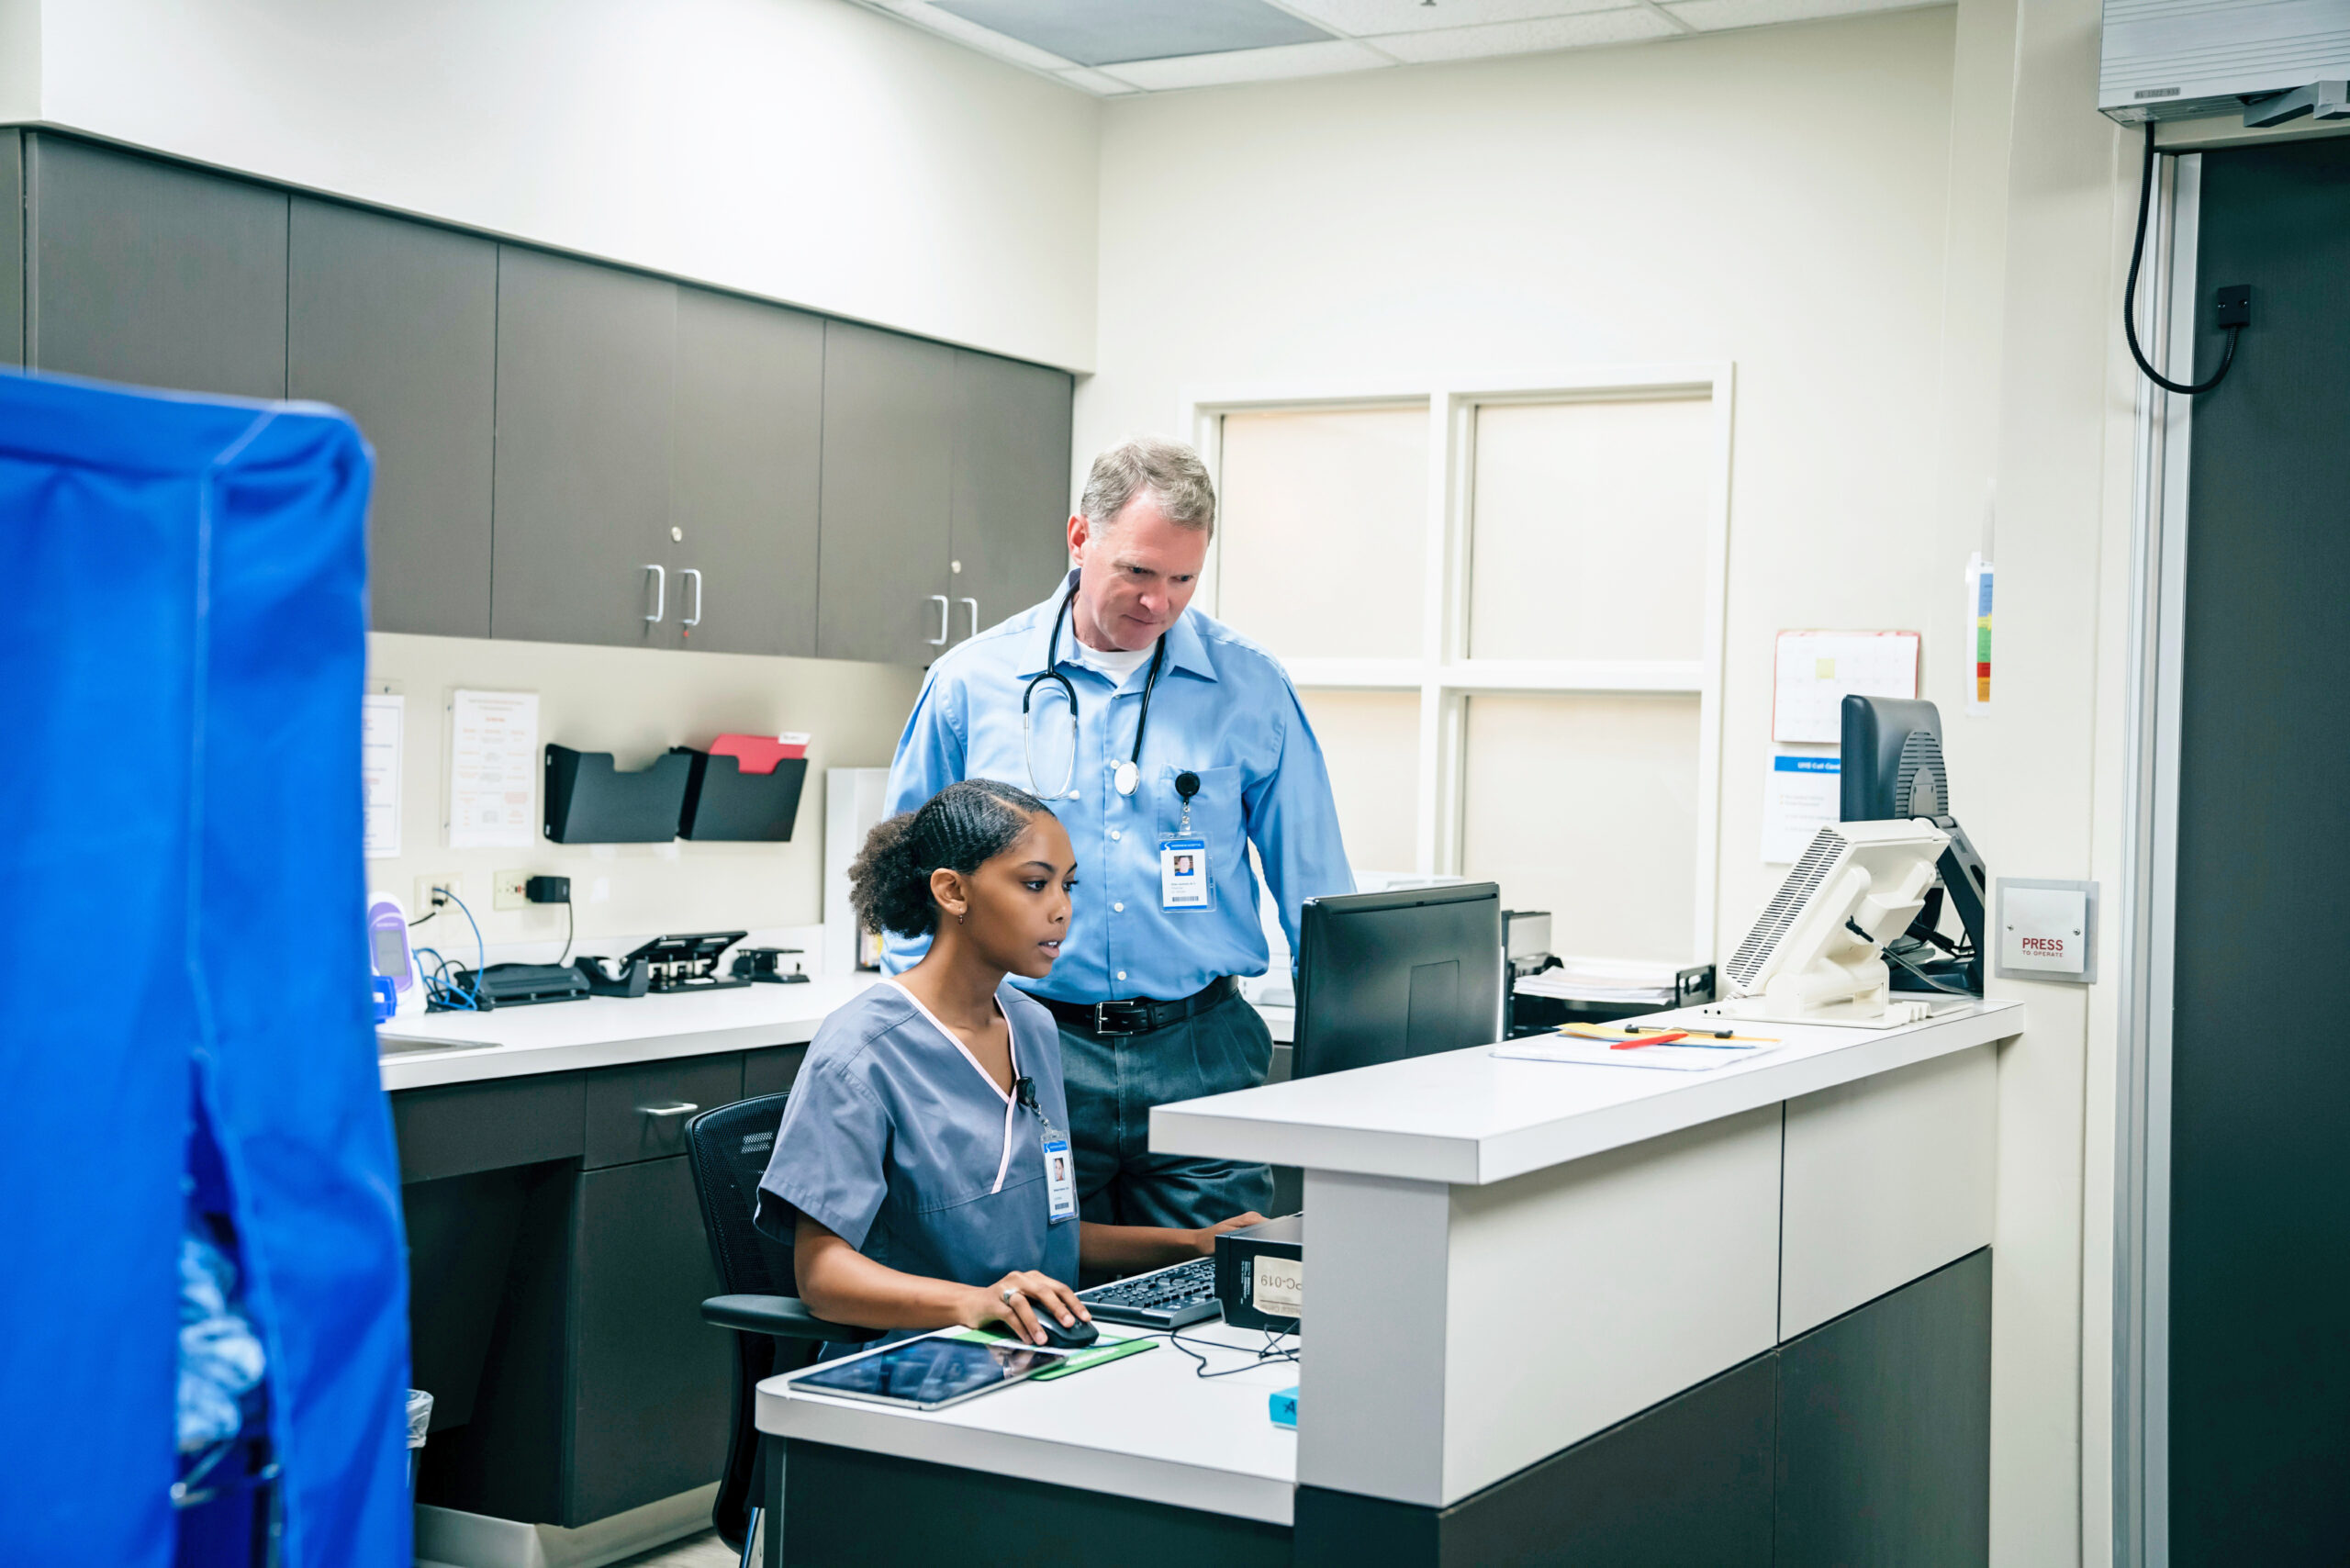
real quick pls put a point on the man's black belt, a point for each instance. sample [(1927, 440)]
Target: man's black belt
[(1138, 1015)]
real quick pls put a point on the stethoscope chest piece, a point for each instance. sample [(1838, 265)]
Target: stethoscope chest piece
[(1126, 778)]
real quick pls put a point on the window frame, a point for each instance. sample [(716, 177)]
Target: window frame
[(1442, 672)]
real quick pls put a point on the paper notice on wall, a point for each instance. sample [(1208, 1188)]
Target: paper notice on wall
[(493, 768), (381, 720), (1816, 670), (1801, 794), (1979, 633)]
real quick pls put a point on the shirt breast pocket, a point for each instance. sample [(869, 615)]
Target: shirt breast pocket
[(1216, 815)]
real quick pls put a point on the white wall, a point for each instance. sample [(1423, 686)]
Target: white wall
[(1777, 198), (802, 150), (19, 60), (635, 703)]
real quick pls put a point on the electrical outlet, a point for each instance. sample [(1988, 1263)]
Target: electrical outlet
[(425, 900), (506, 891)]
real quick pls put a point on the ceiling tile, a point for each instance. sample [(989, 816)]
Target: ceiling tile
[(1251, 65), (1108, 32), (948, 25), (1372, 18), (1714, 16), (1631, 25)]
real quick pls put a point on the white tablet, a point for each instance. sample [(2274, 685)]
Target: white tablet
[(927, 1373)]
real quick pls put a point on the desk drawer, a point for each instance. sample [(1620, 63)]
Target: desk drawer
[(630, 1109)]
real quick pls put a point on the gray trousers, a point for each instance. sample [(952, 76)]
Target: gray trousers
[(1114, 1080)]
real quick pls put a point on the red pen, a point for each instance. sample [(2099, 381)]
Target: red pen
[(1662, 1040)]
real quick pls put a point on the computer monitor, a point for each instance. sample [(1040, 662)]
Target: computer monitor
[(1407, 973), (1892, 771), (1892, 765)]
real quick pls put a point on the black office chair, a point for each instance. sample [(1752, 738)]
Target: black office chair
[(728, 1149)]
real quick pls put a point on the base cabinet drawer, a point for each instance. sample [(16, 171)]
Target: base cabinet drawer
[(640, 1111)]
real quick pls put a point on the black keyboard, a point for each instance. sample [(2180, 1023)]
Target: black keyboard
[(1168, 1298)]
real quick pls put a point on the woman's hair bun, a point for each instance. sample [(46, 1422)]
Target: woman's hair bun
[(957, 829)]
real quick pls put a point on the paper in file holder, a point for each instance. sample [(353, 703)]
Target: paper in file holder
[(590, 802), (722, 801)]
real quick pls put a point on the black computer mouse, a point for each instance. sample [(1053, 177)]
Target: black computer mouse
[(1076, 1337)]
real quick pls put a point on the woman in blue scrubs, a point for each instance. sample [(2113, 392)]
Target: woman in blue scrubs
[(914, 1171)]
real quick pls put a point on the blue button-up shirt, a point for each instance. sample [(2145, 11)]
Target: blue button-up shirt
[(1225, 710)]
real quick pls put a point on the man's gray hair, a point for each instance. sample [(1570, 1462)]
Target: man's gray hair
[(1171, 471)]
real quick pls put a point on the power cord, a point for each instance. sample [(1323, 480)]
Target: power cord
[(2234, 329), (1270, 1352), (568, 926)]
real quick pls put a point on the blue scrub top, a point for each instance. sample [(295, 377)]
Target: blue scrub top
[(895, 1140)]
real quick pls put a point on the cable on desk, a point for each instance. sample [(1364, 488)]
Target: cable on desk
[(1273, 1337)]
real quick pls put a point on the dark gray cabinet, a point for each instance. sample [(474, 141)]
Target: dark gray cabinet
[(565, 451), (146, 272), (12, 247), (651, 1384), (397, 323), (557, 1265), (581, 539), (743, 480), (1009, 530), (888, 473)]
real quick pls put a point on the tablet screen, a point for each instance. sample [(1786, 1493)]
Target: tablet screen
[(928, 1372)]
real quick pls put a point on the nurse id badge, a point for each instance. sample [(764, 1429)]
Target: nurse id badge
[(1060, 1178), (1183, 873)]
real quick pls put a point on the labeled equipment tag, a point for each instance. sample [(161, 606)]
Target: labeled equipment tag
[(1060, 1178), (1183, 873)]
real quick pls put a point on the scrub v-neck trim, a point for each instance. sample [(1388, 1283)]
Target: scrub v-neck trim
[(1011, 1050)]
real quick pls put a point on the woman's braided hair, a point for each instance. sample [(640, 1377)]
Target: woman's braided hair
[(955, 829)]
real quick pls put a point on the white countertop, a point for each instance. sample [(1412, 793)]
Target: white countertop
[(1143, 1426), (606, 1031), (1470, 1118)]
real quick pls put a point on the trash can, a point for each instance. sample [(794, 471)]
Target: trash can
[(419, 1416)]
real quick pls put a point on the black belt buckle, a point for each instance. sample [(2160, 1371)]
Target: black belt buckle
[(1121, 1017)]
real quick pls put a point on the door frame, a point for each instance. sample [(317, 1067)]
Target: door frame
[(2147, 930)]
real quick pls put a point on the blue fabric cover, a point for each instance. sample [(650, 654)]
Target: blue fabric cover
[(181, 893)]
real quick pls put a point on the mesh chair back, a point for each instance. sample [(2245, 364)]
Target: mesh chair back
[(729, 1148)]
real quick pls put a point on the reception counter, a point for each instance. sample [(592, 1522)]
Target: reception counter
[(1553, 1312)]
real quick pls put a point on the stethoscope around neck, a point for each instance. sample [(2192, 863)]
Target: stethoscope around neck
[(1129, 773)]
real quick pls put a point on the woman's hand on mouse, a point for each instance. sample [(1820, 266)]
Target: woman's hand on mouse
[(1202, 1241), (1012, 1301)]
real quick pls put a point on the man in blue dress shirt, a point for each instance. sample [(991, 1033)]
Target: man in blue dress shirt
[(1167, 743)]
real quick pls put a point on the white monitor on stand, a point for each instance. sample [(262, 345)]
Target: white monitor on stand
[(1814, 955)]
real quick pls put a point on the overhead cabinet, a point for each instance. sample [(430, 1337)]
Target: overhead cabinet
[(1009, 536), (12, 247), (888, 472), (744, 493), (148, 273), (397, 323), (582, 491), (565, 451)]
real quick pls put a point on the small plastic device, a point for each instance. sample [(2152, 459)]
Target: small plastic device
[(1283, 1405), (390, 955), (1812, 957)]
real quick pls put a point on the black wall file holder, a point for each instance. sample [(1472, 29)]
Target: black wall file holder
[(590, 802), (724, 802)]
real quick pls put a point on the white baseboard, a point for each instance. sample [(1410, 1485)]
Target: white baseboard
[(448, 1538)]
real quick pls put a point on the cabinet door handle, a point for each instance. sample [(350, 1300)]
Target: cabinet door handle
[(695, 573), (660, 593), (944, 611), (674, 1108), (975, 616)]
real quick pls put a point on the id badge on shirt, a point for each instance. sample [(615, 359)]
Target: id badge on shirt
[(1183, 874), (1060, 1178)]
